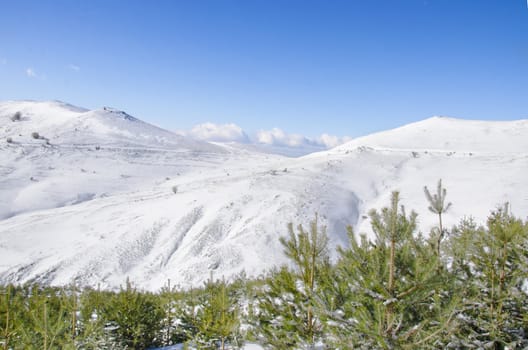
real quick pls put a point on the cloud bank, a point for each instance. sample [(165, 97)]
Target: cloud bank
[(331, 141), (277, 137), (274, 138), (217, 133)]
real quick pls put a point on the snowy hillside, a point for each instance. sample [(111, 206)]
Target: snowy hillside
[(80, 155), (64, 124), (150, 205), (449, 134)]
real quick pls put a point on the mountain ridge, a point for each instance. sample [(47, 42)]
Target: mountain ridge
[(62, 123), (447, 128)]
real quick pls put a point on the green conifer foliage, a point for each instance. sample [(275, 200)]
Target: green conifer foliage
[(135, 318), (44, 319), (171, 301), (8, 316), (438, 206), (218, 318), (492, 270), (186, 308), (287, 309), (396, 297), (278, 311), (92, 332)]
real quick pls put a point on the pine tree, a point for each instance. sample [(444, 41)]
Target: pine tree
[(396, 297), (44, 319), (171, 302), (287, 313), (186, 308), (8, 315), (279, 305), (244, 290), (491, 267), (438, 206), (92, 334), (219, 316), (135, 318)]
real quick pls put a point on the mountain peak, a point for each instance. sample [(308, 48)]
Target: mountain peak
[(62, 123), (118, 113)]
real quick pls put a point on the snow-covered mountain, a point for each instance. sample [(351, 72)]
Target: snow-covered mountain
[(64, 124), (59, 154), (112, 197), (450, 134)]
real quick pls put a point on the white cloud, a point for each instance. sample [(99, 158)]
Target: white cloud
[(331, 141), (218, 132), (74, 67), (277, 137), (30, 72)]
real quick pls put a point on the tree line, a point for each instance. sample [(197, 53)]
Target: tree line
[(462, 288)]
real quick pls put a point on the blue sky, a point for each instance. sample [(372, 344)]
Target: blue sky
[(305, 66)]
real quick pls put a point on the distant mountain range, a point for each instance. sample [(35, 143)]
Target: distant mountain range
[(94, 197)]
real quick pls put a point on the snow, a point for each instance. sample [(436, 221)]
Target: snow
[(446, 134), (96, 205)]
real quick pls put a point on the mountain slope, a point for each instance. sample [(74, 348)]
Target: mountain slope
[(450, 134), (81, 155), (224, 212), (64, 124)]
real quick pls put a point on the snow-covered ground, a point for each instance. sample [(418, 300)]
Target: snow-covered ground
[(106, 196)]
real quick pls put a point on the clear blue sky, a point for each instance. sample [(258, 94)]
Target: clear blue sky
[(306, 66)]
